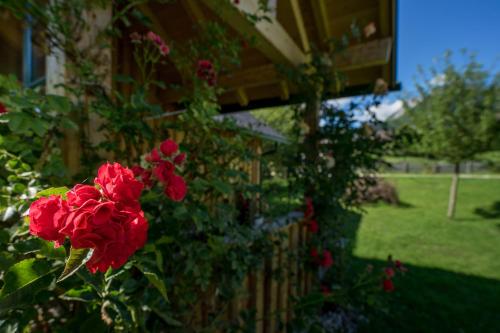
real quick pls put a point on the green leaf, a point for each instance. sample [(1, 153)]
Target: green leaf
[(221, 186), (22, 281), (155, 281), (18, 122), (60, 104), (77, 258), (39, 126), (28, 246), (86, 294), (53, 191), (69, 124), (168, 319)]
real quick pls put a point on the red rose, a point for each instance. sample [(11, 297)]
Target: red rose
[(314, 252), (154, 156), (389, 272), (326, 260), (164, 50), (388, 285), (325, 290), (82, 223), (169, 147), (309, 208), (164, 171), (79, 194), (119, 184), (313, 226), (176, 188), (137, 170), (3, 109), (47, 217), (146, 178), (179, 159), (124, 234), (206, 72)]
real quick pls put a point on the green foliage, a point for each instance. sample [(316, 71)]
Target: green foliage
[(456, 112)]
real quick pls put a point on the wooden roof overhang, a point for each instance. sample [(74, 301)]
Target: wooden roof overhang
[(295, 26)]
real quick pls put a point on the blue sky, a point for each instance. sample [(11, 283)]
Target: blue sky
[(427, 28)]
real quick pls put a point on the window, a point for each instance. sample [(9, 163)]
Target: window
[(20, 56)]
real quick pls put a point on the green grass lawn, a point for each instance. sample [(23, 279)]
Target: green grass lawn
[(454, 280)]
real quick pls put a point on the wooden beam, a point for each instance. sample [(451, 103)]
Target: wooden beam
[(373, 53), (384, 22), (157, 26), (320, 12), (284, 90), (194, 10), (270, 36), (250, 77), (242, 97), (299, 22)]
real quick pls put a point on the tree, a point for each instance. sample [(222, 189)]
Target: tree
[(457, 114)]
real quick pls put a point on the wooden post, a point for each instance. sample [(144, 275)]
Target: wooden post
[(294, 269), (58, 74), (453, 192)]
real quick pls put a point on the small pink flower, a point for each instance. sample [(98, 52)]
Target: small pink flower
[(135, 37), (164, 50)]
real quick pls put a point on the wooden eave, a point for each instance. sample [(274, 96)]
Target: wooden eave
[(295, 27)]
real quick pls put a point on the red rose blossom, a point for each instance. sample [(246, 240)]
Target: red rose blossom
[(326, 260), (164, 171), (389, 272), (126, 233), (313, 226), (146, 178), (325, 290), (119, 184), (154, 156), (179, 159), (309, 208), (206, 72), (388, 285), (169, 147), (3, 109), (137, 170), (176, 188), (47, 217), (80, 193)]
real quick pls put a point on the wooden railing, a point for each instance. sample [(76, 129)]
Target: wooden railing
[(269, 294)]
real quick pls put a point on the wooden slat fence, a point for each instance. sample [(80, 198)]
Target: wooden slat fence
[(265, 291)]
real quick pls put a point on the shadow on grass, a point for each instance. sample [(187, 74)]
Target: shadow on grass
[(491, 212), (436, 300), (403, 204), (431, 299)]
